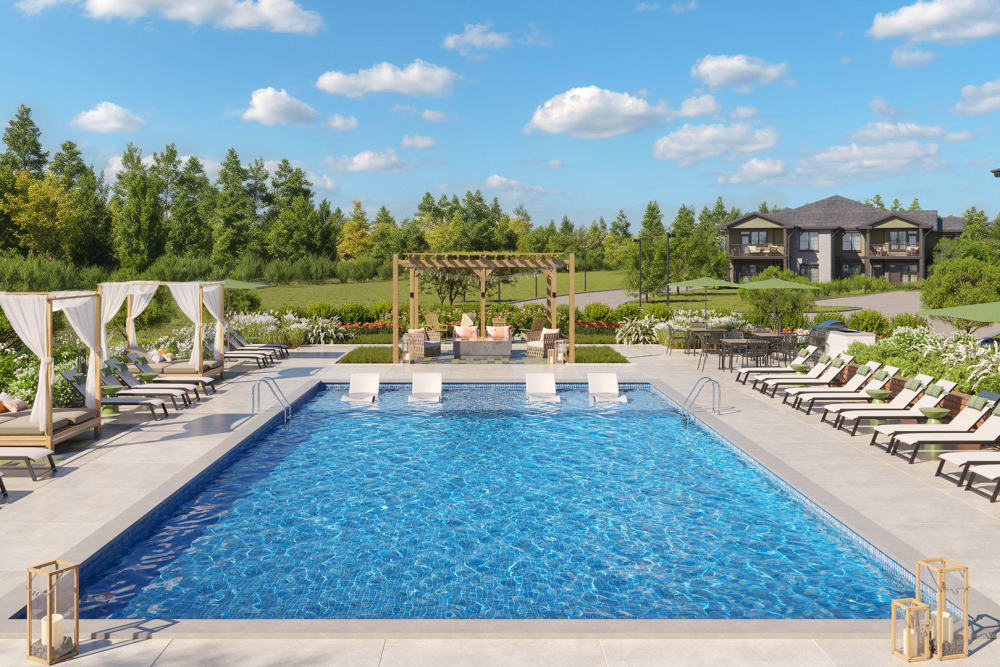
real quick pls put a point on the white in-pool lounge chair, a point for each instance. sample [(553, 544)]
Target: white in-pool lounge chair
[(901, 400), (426, 388), (877, 380), (818, 368), (364, 388), (824, 379), (603, 388), (802, 358), (932, 397), (541, 388), (966, 418), (28, 455)]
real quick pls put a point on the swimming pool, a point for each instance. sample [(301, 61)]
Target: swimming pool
[(485, 507)]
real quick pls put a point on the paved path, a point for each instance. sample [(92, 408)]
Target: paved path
[(894, 303)]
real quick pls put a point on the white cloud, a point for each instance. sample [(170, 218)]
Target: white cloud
[(416, 79), (276, 107), (703, 105), (907, 56), (322, 181), (755, 170), (275, 15), (740, 70), (383, 161), (107, 117), (595, 113), (476, 38), (681, 7), (896, 131), (883, 108), (517, 188), (980, 161), (338, 122), (691, 144), (430, 115), (744, 112), (942, 21), (977, 100), (837, 164), (647, 6), (418, 141), (846, 60), (555, 164)]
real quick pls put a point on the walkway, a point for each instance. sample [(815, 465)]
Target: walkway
[(894, 303)]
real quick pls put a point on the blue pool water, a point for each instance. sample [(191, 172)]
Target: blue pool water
[(483, 507)]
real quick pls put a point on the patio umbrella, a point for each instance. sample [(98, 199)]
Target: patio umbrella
[(977, 312), (703, 282), (775, 284)]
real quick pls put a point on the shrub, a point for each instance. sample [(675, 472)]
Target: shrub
[(242, 300), (959, 282), (639, 331), (626, 311), (660, 311), (381, 310), (596, 312), (907, 320), (355, 312), (869, 320), (598, 354), (322, 309), (179, 269), (367, 355)]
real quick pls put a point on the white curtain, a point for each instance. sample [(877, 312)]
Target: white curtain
[(142, 296), (82, 316), (186, 296), (212, 296), (26, 313), (112, 297)]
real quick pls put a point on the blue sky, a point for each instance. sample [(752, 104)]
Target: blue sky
[(576, 108)]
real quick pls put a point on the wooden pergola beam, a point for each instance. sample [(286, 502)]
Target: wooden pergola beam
[(478, 264)]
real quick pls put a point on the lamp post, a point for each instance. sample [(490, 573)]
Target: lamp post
[(584, 251), (639, 241), (670, 235)]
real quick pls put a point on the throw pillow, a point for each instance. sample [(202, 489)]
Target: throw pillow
[(977, 403), (500, 333), (169, 356), (550, 331), (936, 390), (881, 375), (12, 404), (155, 356), (825, 358), (912, 384)]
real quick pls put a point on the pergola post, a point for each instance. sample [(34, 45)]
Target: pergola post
[(482, 302), (416, 298), (395, 308), (572, 307), (413, 305), (550, 289)]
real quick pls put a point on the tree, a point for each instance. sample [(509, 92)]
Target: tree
[(24, 148), (234, 213), (961, 282), (385, 238), (68, 163), (355, 237), (48, 219), (188, 232), (876, 202), (914, 205), (137, 231), (977, 225), (290, 235), (166, 169), (791, 303)]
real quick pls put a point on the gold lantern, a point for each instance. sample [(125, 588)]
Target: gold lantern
[(53, 611), (910, 630), (947, 582)]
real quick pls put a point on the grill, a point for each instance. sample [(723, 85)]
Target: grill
[(819, 333)]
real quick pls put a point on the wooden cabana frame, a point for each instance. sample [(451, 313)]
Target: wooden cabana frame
[(48, 438), (482, 263), (200, 324)]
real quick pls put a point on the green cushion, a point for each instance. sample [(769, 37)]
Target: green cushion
[(825, 358), (881, 375), (913, 384), (106, 372), (142, 360), (79, 379), (864, 370), (934, 390), (977, 403), (804, 352), (837, 363)]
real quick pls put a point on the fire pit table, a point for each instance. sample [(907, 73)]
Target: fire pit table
[(476, 349)]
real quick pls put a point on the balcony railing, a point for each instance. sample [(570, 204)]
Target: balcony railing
[(895, 250), (756, 250)]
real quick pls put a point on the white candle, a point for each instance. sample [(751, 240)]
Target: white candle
[(57, 630), (909, 642), (948, 626)]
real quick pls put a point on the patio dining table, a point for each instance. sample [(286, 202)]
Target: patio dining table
[(695, 333), (731, 345)]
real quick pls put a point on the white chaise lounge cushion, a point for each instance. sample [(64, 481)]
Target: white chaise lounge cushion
[(603, 388), (541, 387), (426, 388), (33, 453), (364, 388)]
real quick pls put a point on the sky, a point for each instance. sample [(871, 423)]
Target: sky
[(576, 108)]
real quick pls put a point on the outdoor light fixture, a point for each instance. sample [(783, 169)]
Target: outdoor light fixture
[(948, 583), (53, 611), (911, 635), (639, 241)]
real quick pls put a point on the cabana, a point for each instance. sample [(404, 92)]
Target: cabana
[(192, 298), (30, 315), (482, 263)]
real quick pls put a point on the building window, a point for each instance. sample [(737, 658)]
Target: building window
[(902, 237), (810, 271), (753, 237), (808, 240), (848, 269), (851, 242)]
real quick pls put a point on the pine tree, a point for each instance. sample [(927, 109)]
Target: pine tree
[(68, 163), (914, 205), (233, 213), (290, 235), (137, 230), (876, 202), (896, 205), (187, 231), (24, 148), (620, 226), (166, 170), (652, 222), (355, 237)]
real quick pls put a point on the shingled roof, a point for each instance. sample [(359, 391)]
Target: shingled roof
[(840, 212)]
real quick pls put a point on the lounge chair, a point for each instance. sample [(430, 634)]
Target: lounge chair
[(132, 382), (79, 382), (364, 388), (851, 386), (142, 363), (901, 400), (426, 388), (271, 353), (109, 378), (967, 417), (933, 395), (603, 388), (241, 342), (541, 388), (802, 358), (539, 343), (987, 434), (3, 489), (877, 380), (818, 368), (262, 360), (990, 471), (824, 379), (28, 455)]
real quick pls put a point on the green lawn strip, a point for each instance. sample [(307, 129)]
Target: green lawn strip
[(371, 338), (367, 355), (598, 354), (591, 338)]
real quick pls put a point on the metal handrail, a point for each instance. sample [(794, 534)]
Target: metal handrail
[(695, 392), (279, 396)]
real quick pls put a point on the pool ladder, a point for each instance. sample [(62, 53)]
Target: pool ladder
[(279, 396), (692, 397)]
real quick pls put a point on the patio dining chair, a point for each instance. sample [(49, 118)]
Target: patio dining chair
[(710, 344)]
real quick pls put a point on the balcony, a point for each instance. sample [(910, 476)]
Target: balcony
[(756, 251), (895, 250)]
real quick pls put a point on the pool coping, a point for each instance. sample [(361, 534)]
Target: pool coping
[(116, 529)]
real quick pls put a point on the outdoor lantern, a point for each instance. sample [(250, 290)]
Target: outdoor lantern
[(53, 611), (406, 348), (946, 584), (551, 354), (561, 348), (910, 631)]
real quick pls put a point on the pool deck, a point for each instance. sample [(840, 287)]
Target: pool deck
[(102, 488)]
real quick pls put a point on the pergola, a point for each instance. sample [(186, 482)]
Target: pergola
[(482, 263)]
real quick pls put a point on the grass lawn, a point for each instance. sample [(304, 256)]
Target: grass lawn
[(367, 355), (381, 290), (598, 354)]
